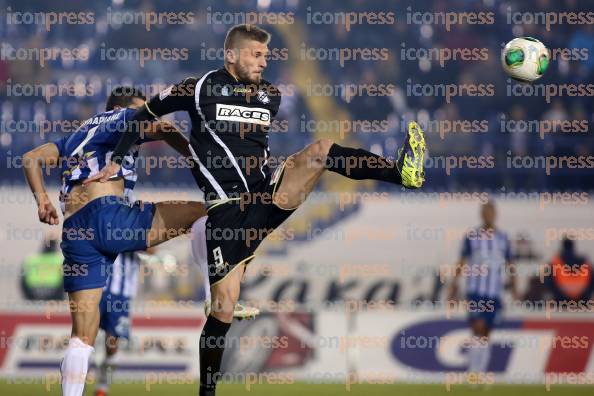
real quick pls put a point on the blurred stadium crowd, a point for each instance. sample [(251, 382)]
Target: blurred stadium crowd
[(22, 115)]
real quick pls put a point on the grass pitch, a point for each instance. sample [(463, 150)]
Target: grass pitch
[(302, 389)]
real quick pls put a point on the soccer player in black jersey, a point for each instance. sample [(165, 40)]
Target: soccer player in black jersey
[(231, 110)]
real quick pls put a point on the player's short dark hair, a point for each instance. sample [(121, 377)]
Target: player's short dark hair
[(245, 31), (122, 96)]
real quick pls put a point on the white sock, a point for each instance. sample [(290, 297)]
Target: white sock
[(485, 356), (74, 367), (474, 355), (105, 373)]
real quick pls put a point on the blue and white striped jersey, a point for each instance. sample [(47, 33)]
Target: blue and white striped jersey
[(123, 278), (86, 151), (486, 254)]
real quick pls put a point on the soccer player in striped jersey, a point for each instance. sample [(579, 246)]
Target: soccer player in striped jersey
[(102, 220), (485, 262), (114, 309)]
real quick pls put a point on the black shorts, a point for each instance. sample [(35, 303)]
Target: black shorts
[(235, 228)]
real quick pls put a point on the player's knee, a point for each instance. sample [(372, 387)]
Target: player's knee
[(222, 311), (223, 303), (197, 210), (319, 149), (322, 147), (111, 350), (111, 345), (86, 335)]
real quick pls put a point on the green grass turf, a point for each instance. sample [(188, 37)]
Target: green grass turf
[(302, 389)]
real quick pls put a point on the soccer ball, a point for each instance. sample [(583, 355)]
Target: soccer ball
[(525, 59)]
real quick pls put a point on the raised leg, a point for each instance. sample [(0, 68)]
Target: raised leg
[(172, 219)]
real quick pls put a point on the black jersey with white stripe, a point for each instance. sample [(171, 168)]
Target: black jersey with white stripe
[(230, 124)]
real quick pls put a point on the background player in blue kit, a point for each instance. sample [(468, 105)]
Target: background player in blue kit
[(101, 220), (485, 261)]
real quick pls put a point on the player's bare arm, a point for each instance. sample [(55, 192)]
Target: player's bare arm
[(156, 130), (45, 156), (172, 136)]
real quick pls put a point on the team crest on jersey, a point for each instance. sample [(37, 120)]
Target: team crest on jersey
[(263, 96)]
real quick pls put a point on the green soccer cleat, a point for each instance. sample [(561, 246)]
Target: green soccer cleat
[(240, 312), (411, 156)]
